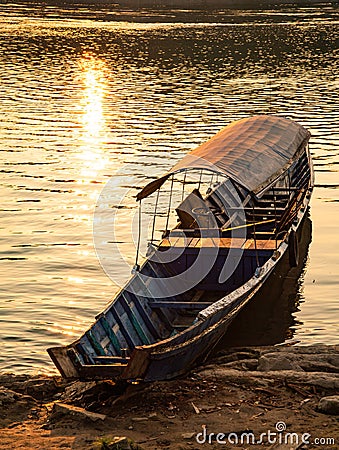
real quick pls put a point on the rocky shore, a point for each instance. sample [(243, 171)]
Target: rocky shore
[(239, 394)]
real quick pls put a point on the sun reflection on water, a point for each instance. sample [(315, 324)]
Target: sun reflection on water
[(66, 330), (94, 128)]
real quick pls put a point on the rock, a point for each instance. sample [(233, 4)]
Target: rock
[(119, 443), (139, 419), (14, 424), (322, 380), (62, 410), (90, 393), (236, 355), (77, 389), (116, 443), (7, 396), (196, 409), (14, 406), (316, 358), (42, 389), (39, 387), (247, 364), (315, 349), (187, 435), (329, 405), (277, 362), (319, 362), (163, 442)]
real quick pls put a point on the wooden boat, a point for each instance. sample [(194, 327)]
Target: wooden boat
[(254, 183)]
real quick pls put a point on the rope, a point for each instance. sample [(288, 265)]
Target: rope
[(136, 266), (183, 187), (255, 238), (169, 203), (275, 217), (248, 225), (155, 214), (200, 179), (211, 182)]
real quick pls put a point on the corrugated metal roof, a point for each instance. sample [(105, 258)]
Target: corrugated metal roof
[(252, 152)]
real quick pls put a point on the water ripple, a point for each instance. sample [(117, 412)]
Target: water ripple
[(81, 98)]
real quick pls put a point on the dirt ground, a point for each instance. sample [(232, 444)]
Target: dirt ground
[(252, 390)]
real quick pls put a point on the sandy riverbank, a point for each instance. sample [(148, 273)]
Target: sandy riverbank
[(249, 389)]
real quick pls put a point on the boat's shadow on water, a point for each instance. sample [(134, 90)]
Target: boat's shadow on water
[(269, 318)]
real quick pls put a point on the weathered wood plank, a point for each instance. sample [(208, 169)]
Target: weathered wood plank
[(59, 356), (110, 333), (110, 360), (134, 321), (95, 343), (122, 327), (180, 305)]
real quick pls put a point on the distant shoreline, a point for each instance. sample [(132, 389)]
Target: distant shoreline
[(186, 4), (219, 4)]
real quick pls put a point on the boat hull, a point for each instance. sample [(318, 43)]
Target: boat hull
[(161, 324), (173, 358)]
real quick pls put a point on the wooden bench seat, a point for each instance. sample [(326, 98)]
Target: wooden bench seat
[(210, 242)]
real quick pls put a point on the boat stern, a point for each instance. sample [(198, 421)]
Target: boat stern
[(61, 358)]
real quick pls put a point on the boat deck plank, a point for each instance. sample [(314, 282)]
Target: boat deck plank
[(261, 244)]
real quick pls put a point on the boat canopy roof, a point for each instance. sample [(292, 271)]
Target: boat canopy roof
[(253, 152)]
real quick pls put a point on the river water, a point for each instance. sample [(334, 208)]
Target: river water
[(88, 93)]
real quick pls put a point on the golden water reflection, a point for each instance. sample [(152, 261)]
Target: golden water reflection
[(94, 129), (79, 98)]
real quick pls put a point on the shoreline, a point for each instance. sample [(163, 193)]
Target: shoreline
[(186, 4), (219, 4), (244, 389)]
